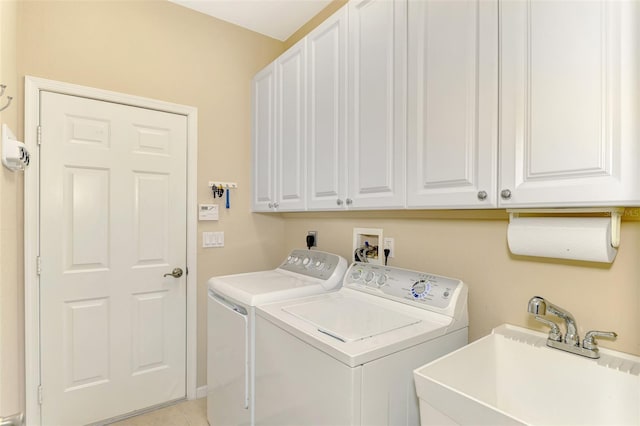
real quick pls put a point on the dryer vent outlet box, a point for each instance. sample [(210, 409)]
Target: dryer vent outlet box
[(367, 242)]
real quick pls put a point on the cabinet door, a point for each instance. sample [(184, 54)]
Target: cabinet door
[(377, 103), (290, 128), (569, 87), (453, 104), (263, 139), (327, 109)]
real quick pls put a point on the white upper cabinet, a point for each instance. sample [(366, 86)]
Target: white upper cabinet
[(569, 103), (279, 133), (376, 104), (327, 109), (263, 138), (452, 104), (291, 136)]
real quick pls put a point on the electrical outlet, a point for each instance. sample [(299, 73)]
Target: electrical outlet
[(389, 243), (315, 237)]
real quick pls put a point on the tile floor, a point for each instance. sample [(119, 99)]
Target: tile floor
[(185, 413)]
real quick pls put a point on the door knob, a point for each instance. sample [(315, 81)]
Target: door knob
[(176, 273)]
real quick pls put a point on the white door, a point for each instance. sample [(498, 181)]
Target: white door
[(453, 104), (263, 138), (291, 128), (569, 103), (112, 223), (327, 112), (377, 103)]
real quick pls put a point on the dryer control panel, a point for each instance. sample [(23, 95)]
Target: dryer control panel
[(416, 288), (316, 264)]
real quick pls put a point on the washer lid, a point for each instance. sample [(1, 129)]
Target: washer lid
[(255, 288), (350, 320)]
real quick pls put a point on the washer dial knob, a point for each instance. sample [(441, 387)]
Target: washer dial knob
[(420, 289)]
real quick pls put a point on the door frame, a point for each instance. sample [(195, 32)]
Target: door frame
[(33, 87)]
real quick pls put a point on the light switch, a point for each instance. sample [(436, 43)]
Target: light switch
[(212, 239)]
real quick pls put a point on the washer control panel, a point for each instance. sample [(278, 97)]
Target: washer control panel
[(317, 264), (419, 288)]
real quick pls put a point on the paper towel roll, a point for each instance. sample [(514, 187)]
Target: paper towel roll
[(579, 238)]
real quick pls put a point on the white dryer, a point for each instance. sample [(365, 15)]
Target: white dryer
[(231, 315), (347, 357)]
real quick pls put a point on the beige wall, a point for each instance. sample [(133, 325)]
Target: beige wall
[(159, 50), (472, 246), (11, 276)]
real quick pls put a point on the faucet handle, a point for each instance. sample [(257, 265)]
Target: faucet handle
[(589, 341), (554, 333)]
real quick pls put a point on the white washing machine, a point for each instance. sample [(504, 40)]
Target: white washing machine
[(347, 357), (231, 315)]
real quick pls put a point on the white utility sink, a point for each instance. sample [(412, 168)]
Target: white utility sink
[(511, 377)]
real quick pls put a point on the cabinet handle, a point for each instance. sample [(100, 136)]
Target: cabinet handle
[(270, 205), (505, 194), (349, 201), (276, 205), (339, 202), (482, 195)]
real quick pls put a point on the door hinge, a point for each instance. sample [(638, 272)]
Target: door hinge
[(38, 265), (39, 134), (40, 394)]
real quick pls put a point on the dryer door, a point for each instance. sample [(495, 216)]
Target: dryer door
[(228, 362)]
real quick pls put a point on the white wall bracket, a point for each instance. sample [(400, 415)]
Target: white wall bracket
[(224, 185), (15, 155), (615, 213)]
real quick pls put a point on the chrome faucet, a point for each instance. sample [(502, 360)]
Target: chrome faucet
[(571, 342), (539, 306)]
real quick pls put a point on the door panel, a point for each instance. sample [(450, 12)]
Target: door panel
[(377, 103), (263, 138), (228, 375), (453, 103), (291, 128), (112, 222), (327, 86), (568, 79)]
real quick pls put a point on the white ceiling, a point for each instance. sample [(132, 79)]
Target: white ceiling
[(278, 19)]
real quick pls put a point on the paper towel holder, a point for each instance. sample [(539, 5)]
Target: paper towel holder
[(615, 212)]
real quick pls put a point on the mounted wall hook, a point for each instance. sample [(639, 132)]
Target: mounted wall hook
[(3, 87), (9, 99)]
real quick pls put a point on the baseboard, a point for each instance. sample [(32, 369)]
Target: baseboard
[(201, 392)]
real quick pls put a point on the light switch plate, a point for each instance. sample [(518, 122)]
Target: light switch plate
[(212, 239)]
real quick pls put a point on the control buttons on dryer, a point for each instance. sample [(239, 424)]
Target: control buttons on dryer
[(306, 261), (369, 276), (356, 274), (382, 279)]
